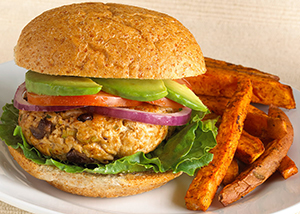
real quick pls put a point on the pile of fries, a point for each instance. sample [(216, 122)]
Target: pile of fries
[(246, 134)]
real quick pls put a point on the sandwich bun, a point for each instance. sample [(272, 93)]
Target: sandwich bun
[(108, 41), (105, 41)]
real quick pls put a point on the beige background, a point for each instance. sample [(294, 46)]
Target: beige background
[(264, 34)]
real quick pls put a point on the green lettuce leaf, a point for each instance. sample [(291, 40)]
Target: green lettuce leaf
[(9, 121), (186, 151)]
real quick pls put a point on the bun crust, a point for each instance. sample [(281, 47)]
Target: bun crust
[(94, 185), (109, 41)]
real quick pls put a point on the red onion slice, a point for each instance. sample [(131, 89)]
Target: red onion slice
[(21, 104), (169, 119)]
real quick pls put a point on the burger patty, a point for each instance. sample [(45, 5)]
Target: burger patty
[(82, 137)]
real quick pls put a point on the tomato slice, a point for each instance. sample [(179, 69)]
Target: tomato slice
[(183, 81), (165, 102), (99, 99)]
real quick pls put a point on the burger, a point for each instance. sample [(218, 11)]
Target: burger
[(104, 110)]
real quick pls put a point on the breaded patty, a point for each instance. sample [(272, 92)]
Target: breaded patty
[(83, 137)]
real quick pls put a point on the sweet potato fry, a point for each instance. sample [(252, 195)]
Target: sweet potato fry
[(232, 172), (287, 168), (215, 104), (212, 83), (263, 167), (212, 63), (278, 130), (205, 184), (256, 121), (249, 148), (221, 80)]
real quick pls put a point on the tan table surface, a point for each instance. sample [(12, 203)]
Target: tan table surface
[(260, 34)]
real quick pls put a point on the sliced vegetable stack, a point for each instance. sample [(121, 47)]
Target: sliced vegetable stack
[(60, 93)]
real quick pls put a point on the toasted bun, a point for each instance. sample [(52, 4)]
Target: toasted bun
[(94, 185), (109, 41)]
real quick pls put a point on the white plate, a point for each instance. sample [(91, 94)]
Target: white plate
[(24, 191)]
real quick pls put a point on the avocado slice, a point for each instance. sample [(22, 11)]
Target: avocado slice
[(60, 85), (134, 89), (183, 95)]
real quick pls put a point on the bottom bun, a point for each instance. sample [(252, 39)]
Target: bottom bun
[(94, 185)]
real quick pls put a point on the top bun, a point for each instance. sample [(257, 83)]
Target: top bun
[(109, 41)]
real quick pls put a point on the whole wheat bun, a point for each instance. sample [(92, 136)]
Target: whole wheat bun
[(94, 185), (109, 41)]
